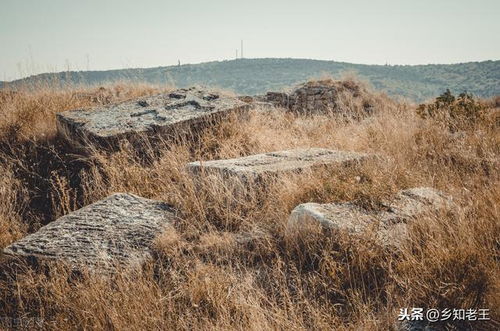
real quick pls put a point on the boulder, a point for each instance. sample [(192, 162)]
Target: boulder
[(163, 115), (347, 98), (276, 163), (389, 224), (117, 231)]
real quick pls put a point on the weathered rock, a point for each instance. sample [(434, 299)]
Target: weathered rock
[(278, 98), (390, 224), (423, 325), (325, 96), (258, 104), (275, 163), (114, 232), (162, 115)]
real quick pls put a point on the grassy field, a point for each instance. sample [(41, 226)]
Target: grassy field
[(203, 275)]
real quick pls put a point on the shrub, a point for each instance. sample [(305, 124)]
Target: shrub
[(459, 113)]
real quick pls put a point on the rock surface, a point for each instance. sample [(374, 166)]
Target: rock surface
[(291, 161), (117, 231), (161, 115), (390, 225), (325, 96)]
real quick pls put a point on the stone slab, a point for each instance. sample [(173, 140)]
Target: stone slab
[(161, 115), (390, 224), (281, 162), (117, 231)]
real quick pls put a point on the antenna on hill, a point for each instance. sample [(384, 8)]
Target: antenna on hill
[(241, 48)]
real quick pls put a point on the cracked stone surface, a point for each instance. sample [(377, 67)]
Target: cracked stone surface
[(117, 231), (390, 224), (159, 115), (282, 162)]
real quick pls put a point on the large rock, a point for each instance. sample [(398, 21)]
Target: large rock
[(115, 232), (389, 225), (325, 97), (276, 163), (162, 115)]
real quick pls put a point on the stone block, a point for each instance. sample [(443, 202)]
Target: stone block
[(276, 163), (117, 231), (389, 224), (183, 111)]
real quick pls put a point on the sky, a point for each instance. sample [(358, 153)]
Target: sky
[(56, 35)]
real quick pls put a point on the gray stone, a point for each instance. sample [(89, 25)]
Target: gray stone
[(390, 224), (117, 231), (258, 104), (162, 115), (278, 98), (423, 325), (282, 162), (324, 97)]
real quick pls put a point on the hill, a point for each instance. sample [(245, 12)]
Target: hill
[(256, 76)]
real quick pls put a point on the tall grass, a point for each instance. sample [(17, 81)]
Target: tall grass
[(229, 264)]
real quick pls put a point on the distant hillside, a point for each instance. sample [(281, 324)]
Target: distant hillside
[(256, 76)]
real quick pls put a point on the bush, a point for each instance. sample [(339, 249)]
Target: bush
[(459, 113)]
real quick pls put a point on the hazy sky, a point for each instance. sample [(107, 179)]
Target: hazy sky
[(52, 35)]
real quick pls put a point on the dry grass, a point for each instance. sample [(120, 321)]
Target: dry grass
[(229, 264)]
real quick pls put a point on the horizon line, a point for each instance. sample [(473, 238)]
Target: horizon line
[(242, 59)]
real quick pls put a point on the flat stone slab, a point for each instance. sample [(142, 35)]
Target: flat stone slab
[(161, 115), (117, 231), (390, 224), (282, 162)]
